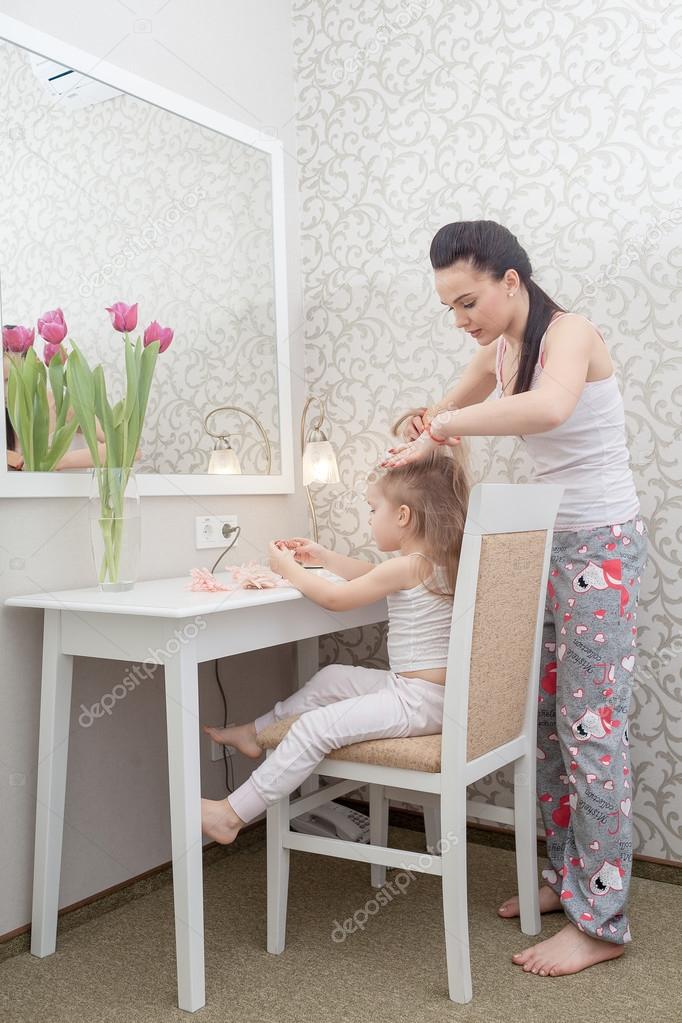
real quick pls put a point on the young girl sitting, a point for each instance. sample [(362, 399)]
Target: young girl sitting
[(418, 511)]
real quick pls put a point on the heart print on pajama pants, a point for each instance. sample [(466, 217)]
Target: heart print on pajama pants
[(584, 781)]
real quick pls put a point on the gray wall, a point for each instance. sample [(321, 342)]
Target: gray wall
[(237, 58)]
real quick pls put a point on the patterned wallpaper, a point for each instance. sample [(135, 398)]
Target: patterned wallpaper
[(124, 201), (562, 122)]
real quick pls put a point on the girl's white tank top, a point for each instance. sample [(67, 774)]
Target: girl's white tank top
[(587, 454), (419, 625)]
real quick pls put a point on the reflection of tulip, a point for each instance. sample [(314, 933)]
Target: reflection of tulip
[(51, 326), (155, 332), (17, 339), (50, 350), (123, 317)]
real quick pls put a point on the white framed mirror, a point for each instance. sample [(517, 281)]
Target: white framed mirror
[(116, 189)]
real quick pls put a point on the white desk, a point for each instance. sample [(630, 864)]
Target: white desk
[(161, 622)]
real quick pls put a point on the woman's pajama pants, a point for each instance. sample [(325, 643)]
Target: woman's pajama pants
[(339, 705), (584, 780)]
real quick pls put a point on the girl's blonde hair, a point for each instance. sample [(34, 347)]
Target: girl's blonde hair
[(436, 490)]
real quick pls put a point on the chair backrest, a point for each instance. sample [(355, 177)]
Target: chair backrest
[(498, 610)]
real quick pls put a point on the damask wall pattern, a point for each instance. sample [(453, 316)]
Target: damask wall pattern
[(124, 201), (560, 120)]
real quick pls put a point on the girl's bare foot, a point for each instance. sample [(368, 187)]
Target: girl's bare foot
[(242, 737), (219, 821), (549, 903), (567, 951)]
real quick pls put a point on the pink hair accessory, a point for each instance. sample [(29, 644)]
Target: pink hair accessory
[(202, 579), (250, 576)]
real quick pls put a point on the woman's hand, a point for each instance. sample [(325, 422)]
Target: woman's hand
[(404, 454), (414, 425), (15, 460), (424, 445), (306, 552)]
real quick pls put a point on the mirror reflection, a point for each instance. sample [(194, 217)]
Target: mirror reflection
[(108, 199)]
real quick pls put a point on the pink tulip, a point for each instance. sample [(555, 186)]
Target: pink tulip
[(123, 317), (52, 327), (17, 339), (50, 350), (155, 332)]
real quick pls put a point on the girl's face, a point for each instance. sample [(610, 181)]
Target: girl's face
[(481, 304), (387, 520)]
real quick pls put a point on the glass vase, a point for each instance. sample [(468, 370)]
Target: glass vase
[(114, 513)]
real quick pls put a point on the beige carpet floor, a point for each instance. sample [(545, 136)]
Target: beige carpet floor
[(120, 965)]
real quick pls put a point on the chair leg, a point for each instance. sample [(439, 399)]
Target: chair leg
[(378, 830), (278, 875), (455, 912), (432, 827), (525, 815)]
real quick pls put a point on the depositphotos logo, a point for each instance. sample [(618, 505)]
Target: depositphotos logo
[(131, 680)]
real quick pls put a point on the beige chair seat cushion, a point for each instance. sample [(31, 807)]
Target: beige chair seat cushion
[(417, 753)]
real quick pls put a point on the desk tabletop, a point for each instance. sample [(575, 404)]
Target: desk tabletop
[(162, 598)]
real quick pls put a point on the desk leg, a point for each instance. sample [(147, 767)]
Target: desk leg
[(307, 663), (53, 749), (182, 722)]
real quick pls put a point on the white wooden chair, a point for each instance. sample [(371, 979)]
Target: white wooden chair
[(490, 718)]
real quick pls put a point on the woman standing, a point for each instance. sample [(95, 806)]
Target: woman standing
[(557, 391)]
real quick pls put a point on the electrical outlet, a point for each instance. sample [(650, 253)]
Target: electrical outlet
[(208, 531), (217, 750), (217, 747)]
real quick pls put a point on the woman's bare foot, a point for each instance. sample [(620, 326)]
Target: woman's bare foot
[(219, 821), (242, 737), (568, 951), (549, 903)]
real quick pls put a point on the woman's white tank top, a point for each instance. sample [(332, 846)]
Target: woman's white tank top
[(419, 625), (587, 454)]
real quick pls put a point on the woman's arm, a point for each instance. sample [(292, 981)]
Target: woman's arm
[(387, 577), (537, 411), (518, 414), (545, 407), (475, 384)]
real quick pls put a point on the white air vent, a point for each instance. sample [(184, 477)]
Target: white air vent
[(73, 89)]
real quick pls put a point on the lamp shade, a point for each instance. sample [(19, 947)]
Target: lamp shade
[(319, 463), (225, 461)]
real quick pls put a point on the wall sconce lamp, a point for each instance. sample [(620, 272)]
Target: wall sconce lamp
[(319, 460), (223, 457)]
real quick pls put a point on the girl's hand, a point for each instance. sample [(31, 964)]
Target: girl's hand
[(306, 552), (280, 557)]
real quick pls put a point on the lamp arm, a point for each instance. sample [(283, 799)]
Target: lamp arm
[(236, 408), (315, 426), (318, 421)]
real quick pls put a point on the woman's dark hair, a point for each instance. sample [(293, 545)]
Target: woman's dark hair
[(491, 248)]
